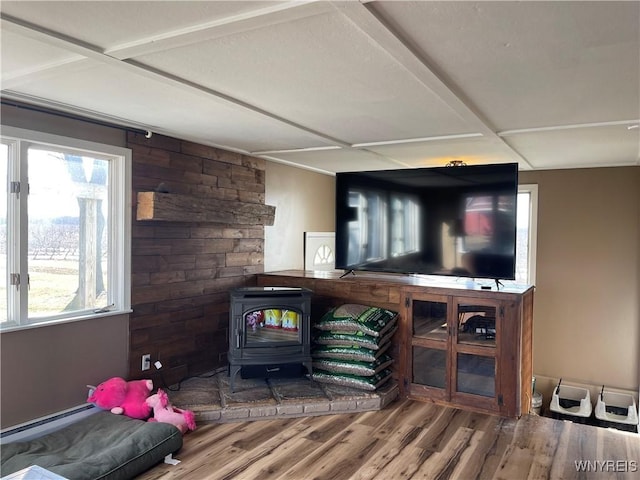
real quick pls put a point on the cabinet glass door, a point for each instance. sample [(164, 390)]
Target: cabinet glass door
[(430, 320), (476, 375), (476, 324), (429, 367), (430, 343), (474, 353)]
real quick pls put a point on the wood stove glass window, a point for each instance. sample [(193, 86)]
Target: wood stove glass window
[(272, 325)]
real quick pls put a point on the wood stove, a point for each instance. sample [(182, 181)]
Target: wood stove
[(269, 332)]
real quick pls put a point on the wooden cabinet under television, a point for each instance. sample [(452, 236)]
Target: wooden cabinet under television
[(437, 357), (468, 348)]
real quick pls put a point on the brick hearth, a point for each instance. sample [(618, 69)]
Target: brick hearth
[(210, 398)]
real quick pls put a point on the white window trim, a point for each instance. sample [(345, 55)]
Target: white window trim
[(532, 189), (119, 228)]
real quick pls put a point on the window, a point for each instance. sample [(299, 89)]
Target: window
[(64, 229), (527, 224)]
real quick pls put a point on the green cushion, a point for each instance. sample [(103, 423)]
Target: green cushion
[(100, 446)]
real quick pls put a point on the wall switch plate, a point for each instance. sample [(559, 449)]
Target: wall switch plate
[(146, 362)]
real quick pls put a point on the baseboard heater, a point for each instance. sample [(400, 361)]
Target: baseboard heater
[(47, 424)]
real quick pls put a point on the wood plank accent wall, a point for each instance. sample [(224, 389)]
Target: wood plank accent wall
[(182, 272)]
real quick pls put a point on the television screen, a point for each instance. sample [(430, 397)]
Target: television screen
[(458, 221)]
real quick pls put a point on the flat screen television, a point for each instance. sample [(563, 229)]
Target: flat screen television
[(457, 221)]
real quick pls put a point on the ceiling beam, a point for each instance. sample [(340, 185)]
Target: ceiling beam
[(630, 124), (232, 25)]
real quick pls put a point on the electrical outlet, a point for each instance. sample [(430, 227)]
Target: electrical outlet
[(146, 362)]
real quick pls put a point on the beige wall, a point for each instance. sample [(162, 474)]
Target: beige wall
[(305, 202), (47, 369), (44, 122), (587, 307)]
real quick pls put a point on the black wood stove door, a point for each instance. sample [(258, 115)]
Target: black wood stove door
[(269, 326), (272, 325)]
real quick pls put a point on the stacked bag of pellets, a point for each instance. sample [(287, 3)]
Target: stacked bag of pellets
[(350, 346)]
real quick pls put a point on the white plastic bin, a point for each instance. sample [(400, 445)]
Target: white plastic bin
[(571, 401), (617, 410)]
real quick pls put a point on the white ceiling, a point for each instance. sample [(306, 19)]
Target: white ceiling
[(339, 86)]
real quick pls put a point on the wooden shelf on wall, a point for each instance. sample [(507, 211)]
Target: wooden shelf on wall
[(171, 207)]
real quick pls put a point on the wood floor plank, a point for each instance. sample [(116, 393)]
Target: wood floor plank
[(532, 448), (407, 411), (543, 441), (516, 461), (467, 457), (262, 433), (479, 459), (216, 455), (339, 457), (265, 455), (400, 439), (271, 463), (404, 465), (442, 463), (323, 428), (497, 436), (566, 445), (438, 432)]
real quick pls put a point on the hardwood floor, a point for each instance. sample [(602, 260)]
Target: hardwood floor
[(406, 440)]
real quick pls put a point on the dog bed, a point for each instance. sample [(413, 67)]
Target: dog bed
[(101, 446)]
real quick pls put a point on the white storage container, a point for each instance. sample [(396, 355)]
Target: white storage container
[(616, 408), (571, 401)]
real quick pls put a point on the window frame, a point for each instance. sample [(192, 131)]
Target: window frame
[(119, 219), (532, 190)]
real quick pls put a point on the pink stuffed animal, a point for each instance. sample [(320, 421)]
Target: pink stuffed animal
[(164, 412), (122, 397)]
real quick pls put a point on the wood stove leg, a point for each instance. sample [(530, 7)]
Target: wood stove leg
[(308, 366), (233, 371)]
